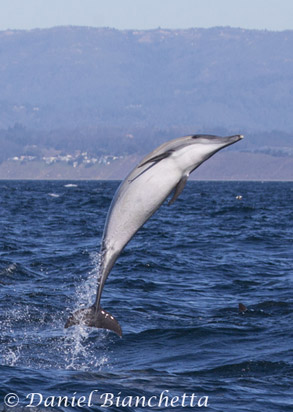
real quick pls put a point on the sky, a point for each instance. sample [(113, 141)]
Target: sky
[(147, 14)]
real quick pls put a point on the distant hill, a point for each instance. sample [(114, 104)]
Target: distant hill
[(69, 90), (73, 77)]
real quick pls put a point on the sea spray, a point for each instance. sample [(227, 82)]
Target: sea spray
[(80, 348)]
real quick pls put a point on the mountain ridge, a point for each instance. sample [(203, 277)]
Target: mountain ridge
[(80, 77), (122, 92)]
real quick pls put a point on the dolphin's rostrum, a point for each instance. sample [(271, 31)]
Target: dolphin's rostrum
[(142, 192)]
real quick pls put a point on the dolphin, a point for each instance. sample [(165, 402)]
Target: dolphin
[(142, 192)]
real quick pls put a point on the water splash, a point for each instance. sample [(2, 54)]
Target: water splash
[(12, 356), (10, 352), (53, 195), (85, 291), (45, 344), (11, 268), (83, 343)]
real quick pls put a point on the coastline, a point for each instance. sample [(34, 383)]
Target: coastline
[(229, 165)]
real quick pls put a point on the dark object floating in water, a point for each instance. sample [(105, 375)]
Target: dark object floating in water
[(242, 308)]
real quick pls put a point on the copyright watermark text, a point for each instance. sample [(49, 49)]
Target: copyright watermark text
[(107, 400)]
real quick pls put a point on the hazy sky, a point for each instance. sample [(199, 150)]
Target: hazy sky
[(147, 14)]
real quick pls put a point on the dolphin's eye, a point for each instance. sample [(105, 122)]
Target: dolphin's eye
[(195, 136)]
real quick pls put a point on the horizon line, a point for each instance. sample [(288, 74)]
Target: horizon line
[(143, 30)]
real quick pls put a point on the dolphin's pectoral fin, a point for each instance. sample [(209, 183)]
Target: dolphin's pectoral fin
[(178, 189), (94, 318)]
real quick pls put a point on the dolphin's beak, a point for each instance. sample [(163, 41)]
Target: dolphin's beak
[(235, 138), (239, 136), (227, 141)]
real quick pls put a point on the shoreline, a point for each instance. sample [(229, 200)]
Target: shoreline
[(225, 166)]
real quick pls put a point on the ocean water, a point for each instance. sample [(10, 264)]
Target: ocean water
[(175, 291)]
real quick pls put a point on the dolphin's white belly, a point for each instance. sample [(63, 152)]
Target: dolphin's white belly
[(137, 200)]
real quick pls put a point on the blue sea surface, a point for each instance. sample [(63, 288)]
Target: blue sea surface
[(175, 291)]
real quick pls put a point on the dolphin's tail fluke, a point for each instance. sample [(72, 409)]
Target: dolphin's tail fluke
[(97, 318)]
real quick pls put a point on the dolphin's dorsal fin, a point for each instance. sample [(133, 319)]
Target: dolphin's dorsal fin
[(178, 189)]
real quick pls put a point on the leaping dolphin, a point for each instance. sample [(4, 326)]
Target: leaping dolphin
[(142, 192)]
